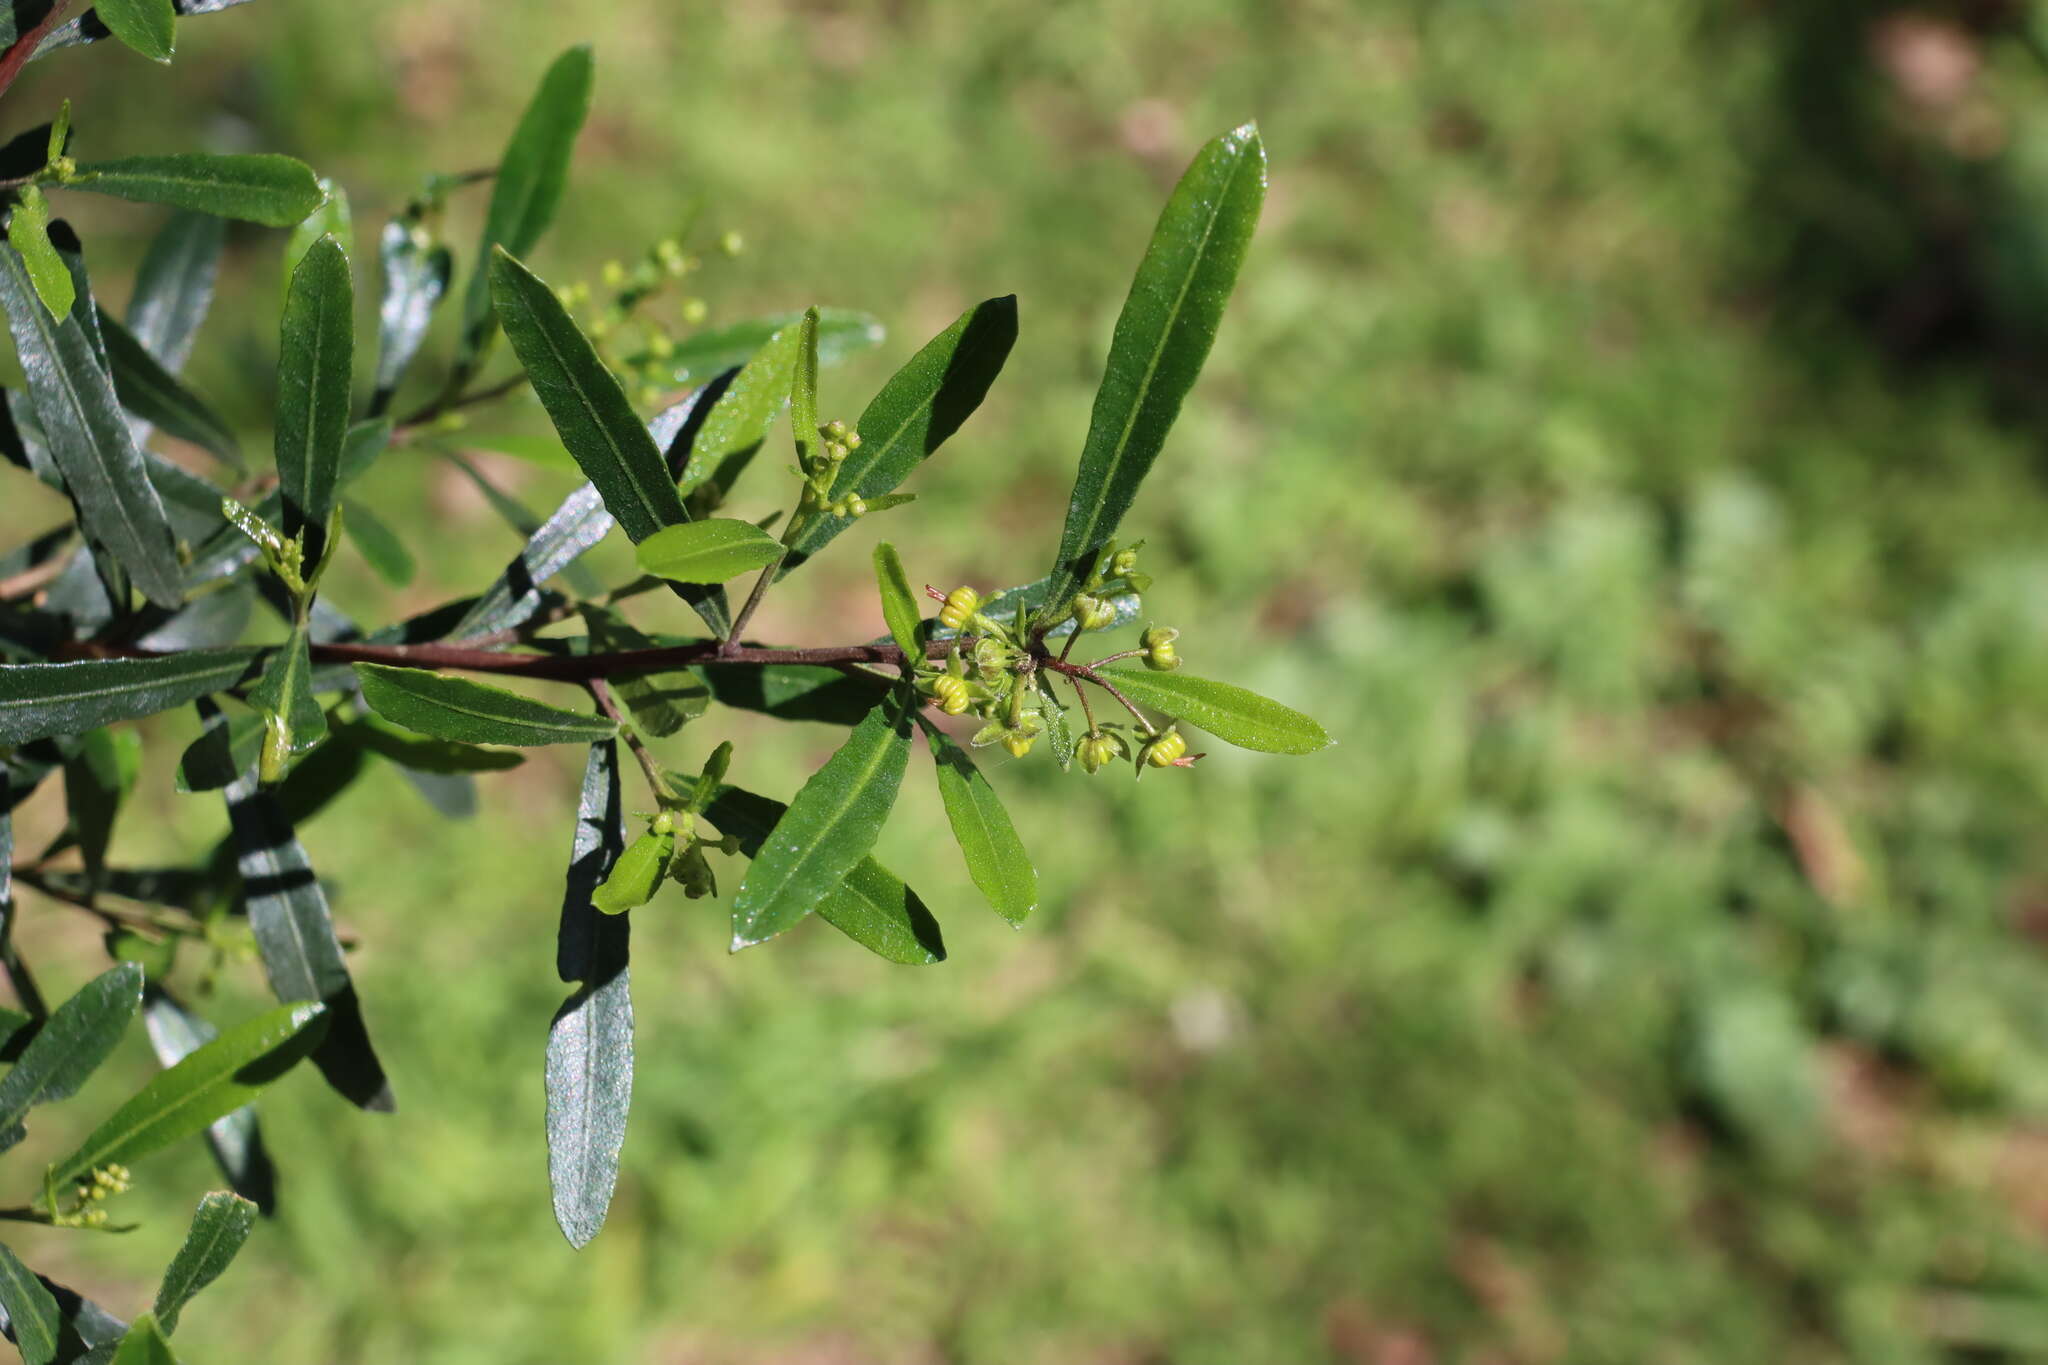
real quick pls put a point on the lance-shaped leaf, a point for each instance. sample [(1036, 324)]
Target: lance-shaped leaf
[(792, 691), (1231, 713), (710, 551), (417, 270), (174, 286), (830, 826), (89, 28), (871, 905), (899, 604), (740, 420), (284, 696), (1161, 340), (316, 355), (87, 435), (295, 934), (88, 1334), (472, 712), (220, 1225), (438, 756), (147, 26), (529, 183), (40, 700), (32, 1316), (331, 218), (590, 1042), (922, 405), (275, 191), (841, 332), (382, 548), (579, 523), (995, 856), (236, 1139), (155, 395), (214, 1080), (144, 1344), (803, 390), (72, 1043), (28, 229)]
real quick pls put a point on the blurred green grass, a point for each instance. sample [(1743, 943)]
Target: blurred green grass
[(1652, 973)]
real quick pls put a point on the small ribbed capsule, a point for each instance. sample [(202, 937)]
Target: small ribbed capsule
[(1097, 749), (1092, 613), (1160, 655), (960, 604), (1162, 749), (951, 694), (1018, 744), (1124, 562)]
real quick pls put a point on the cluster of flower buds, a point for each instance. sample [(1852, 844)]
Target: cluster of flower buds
[(1105, 744), (820, 471), (89, 1195), (639, 345)]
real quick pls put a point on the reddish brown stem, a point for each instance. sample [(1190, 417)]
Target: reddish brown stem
[(24, 47)]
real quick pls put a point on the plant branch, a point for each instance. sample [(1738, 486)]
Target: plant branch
[(1087, 673), (739, 623), (24, 47), (601, 691)]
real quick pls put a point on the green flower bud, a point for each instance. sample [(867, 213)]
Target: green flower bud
[(1092, 613), (1018, 744), (613, 274), (1124, 562), (1098, 748), (1162, 749), (1160, 654), (732, 244)]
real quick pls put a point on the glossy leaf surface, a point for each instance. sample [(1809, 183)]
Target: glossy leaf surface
[(1161, 340), (174, 286), (214, 1080), (315, 363), (275, 191), (472, 712), (332, 218), (1227, 711), (830, 826), (87, 434), (710, 551), (922, 405), (637, 875), (996, 859), (40, 700), (236, 1138), (147, 26), (417, 270), (286, 692), (144, 1344), (158, 397), (590, 1042), (31, 1310), (739, 421), (220, 1225), (28, 231), (871, 905)]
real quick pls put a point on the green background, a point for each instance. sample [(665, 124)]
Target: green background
[(1626, 438)]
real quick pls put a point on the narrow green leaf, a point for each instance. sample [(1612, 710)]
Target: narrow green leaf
[(871, 905), (472, 712), (438, 756), (899, 603), (803, 389), (792, 691), (145, 1344), (637, 875), (841, 332), (316, 356), (529, 184), (366, 440), (738, 423), (155, 395), (224, 750), (236, 1139), (87, 435), (579, 523), (275, 191), (72, 1043), (220, 1225), (1161, 340), (922, 405), (215, 1080), (28, 229), (148, 26), (284, 696), (383, 549), (995, 856), (87, 1333), (174, 286), (827, 830), (294, 929), (711, 551), (583, 399), (589, 1071), (31, 1310), (1231, 713), (1059, 734), (417, 270), (330, 219)]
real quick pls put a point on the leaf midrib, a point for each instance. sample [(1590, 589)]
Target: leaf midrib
[(838, 816)]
